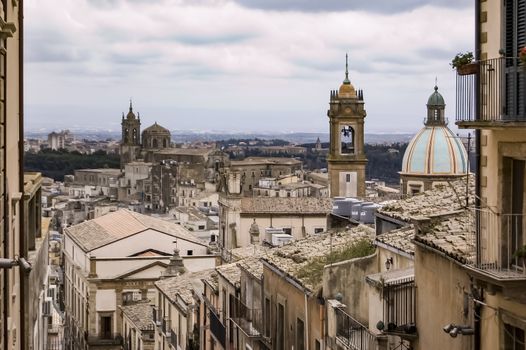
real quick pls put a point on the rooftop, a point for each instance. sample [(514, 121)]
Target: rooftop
[(290, 258), (182, 286), (265, 161), (108, 171), (449, 197), (288, 205), (120, 224), (230, 272), (451, 233), (187, 151), (252, 265), (391, 277), (400, 239), (193, 213), (140, 314)]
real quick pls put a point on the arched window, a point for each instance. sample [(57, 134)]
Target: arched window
[(154, 143), (165, 143), (347, 140)]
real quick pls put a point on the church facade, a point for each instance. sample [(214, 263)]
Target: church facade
[(134, 145)]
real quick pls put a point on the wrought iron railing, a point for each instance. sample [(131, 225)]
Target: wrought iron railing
[(499, 249), (501, 87), (217, 329), (250, 321), (351, 333), (173, 339), (400, 306)]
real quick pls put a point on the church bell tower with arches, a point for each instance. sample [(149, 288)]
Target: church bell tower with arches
[(346, 153), (131, 140)]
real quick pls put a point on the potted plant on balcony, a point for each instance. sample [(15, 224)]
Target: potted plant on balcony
[(520, 254), (463, 63), (522, 57)]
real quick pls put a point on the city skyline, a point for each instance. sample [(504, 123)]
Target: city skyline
[(254, 66)]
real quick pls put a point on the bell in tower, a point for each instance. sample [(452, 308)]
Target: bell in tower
[(346, 153)]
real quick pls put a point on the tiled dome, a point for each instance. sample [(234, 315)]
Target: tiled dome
[(435, 150)]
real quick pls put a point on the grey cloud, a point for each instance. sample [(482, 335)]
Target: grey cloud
[(213, 39), (380, 6)]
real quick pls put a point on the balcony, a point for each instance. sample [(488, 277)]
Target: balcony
[(351, 334), (399, 308), (114, 339), (173, 339), (496, 257), (217, 329), (249, 321), (502, 89)]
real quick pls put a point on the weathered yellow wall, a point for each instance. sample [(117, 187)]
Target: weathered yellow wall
[(441, 284)]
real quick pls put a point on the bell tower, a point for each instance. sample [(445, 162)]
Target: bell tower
[(346, 154), (130, 141)]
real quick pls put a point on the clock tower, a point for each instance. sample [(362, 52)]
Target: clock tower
[(346, 154)]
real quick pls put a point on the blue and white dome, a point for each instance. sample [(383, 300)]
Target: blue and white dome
[(435, 150)]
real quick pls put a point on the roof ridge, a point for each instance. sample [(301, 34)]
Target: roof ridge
[(132, 214)]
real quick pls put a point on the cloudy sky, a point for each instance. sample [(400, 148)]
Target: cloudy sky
[(243, 65)]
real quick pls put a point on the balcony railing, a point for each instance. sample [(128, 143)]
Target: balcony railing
[(400, 307), (502, 88), (217, 329), (250, 321), (351, 334), (105, 339), (497, 248), (173, 339), (165, 327)]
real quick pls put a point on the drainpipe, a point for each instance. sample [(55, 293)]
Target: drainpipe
[(21, 212), (6, 212), (306, 324), (477, 308)]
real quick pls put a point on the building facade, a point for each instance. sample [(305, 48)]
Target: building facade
[(13, 246), (499, 117)]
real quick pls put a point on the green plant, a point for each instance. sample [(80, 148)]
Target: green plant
[(461, 59), (521, 254), (312, 271)]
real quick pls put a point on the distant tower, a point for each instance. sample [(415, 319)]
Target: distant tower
[(130, 142), (346, 154)]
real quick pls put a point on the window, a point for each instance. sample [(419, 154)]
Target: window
[(300, 334), (514, 338), (287, 230), (318, 345), (348, 178), (190, 252), (201, 227), (280, 336), (105, 327), (267, 317), (318, 230)]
